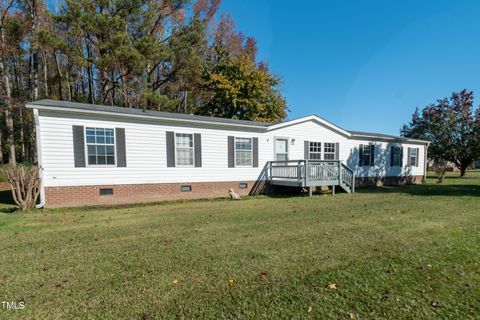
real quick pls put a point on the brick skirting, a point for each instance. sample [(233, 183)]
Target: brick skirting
[(388, 181), (143, 193)]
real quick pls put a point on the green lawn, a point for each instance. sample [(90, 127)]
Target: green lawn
[(392, 253)]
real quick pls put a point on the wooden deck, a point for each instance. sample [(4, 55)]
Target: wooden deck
[(312, 173)]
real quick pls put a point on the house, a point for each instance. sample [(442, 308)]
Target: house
[(98, 155)]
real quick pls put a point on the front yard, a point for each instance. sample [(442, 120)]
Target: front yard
[(410, 252)]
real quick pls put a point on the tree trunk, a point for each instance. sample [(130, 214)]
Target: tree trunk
[(463, 170), (22, 136), (1, 147), (59, 74), (8, 94), (45, 74), (10, 137)]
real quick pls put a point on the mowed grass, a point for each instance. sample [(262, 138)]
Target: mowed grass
[(392, 253)]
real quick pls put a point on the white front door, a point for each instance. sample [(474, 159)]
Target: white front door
[(281, 149)]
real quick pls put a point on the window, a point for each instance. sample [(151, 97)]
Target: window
[(243, 152), (315, 151), (184, 149), (396, 156), (412, 156), (243, 185), (281, 149), (329, 151), (100, 146), (367, 155)]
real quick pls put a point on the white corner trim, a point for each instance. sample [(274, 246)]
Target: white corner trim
[(39, 159)]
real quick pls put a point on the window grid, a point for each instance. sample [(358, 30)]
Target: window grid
[(184, 149), (329, 151), (367, 151), (243, 152), (396, 156), (100, 146), (413, 157), (315, 150)]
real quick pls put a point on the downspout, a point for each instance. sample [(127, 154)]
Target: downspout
[(39, 159), (425, 162)]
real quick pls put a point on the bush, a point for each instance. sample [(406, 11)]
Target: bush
[(25, 184)]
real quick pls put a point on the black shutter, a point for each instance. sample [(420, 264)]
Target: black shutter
[(416, 159), (372, 154), (255, 152), (392, 150), (337, 151), (408, 157), (360, 155), (306, 151), (121, 148), (197, 139), (170, 149), (401, 156), (231, 151), (78, 146)]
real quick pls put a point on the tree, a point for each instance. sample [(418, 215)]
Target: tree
[(241, 89), (453, 127)]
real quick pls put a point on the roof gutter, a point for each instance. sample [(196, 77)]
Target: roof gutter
[(57, 109)]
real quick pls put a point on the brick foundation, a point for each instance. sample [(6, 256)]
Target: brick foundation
[(143, 193), (388, 181)]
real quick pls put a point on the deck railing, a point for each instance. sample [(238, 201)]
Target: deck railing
[(313, 172)]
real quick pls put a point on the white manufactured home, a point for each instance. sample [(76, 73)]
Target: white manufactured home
[(96, 155)]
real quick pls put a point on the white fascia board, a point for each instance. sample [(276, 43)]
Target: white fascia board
[(310, 118)]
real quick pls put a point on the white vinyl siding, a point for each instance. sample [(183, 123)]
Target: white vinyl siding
[(100, 144), (147, 156), (184, 149)]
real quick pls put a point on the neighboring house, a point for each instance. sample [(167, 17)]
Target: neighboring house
[(92, 154)]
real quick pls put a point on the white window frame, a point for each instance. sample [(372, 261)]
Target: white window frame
[(275, 148), (242, 150), (410, 157), (329, 152), (192, 148), (86, 144), (319, 146)]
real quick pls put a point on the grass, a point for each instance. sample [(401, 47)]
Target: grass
[(403, 253)]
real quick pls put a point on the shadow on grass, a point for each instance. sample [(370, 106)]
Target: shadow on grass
[(7, 205), (428, 190)]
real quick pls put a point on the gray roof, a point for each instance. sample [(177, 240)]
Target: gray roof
[(141, 112), (382, 136)]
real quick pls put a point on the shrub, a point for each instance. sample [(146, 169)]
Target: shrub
[(25, 184)]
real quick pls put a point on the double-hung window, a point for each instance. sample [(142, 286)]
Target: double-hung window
[(396, 156), (184, 149), (243, 152), (367, 155), (412, 157), (100, 146), (315, 151), (329, 151)]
